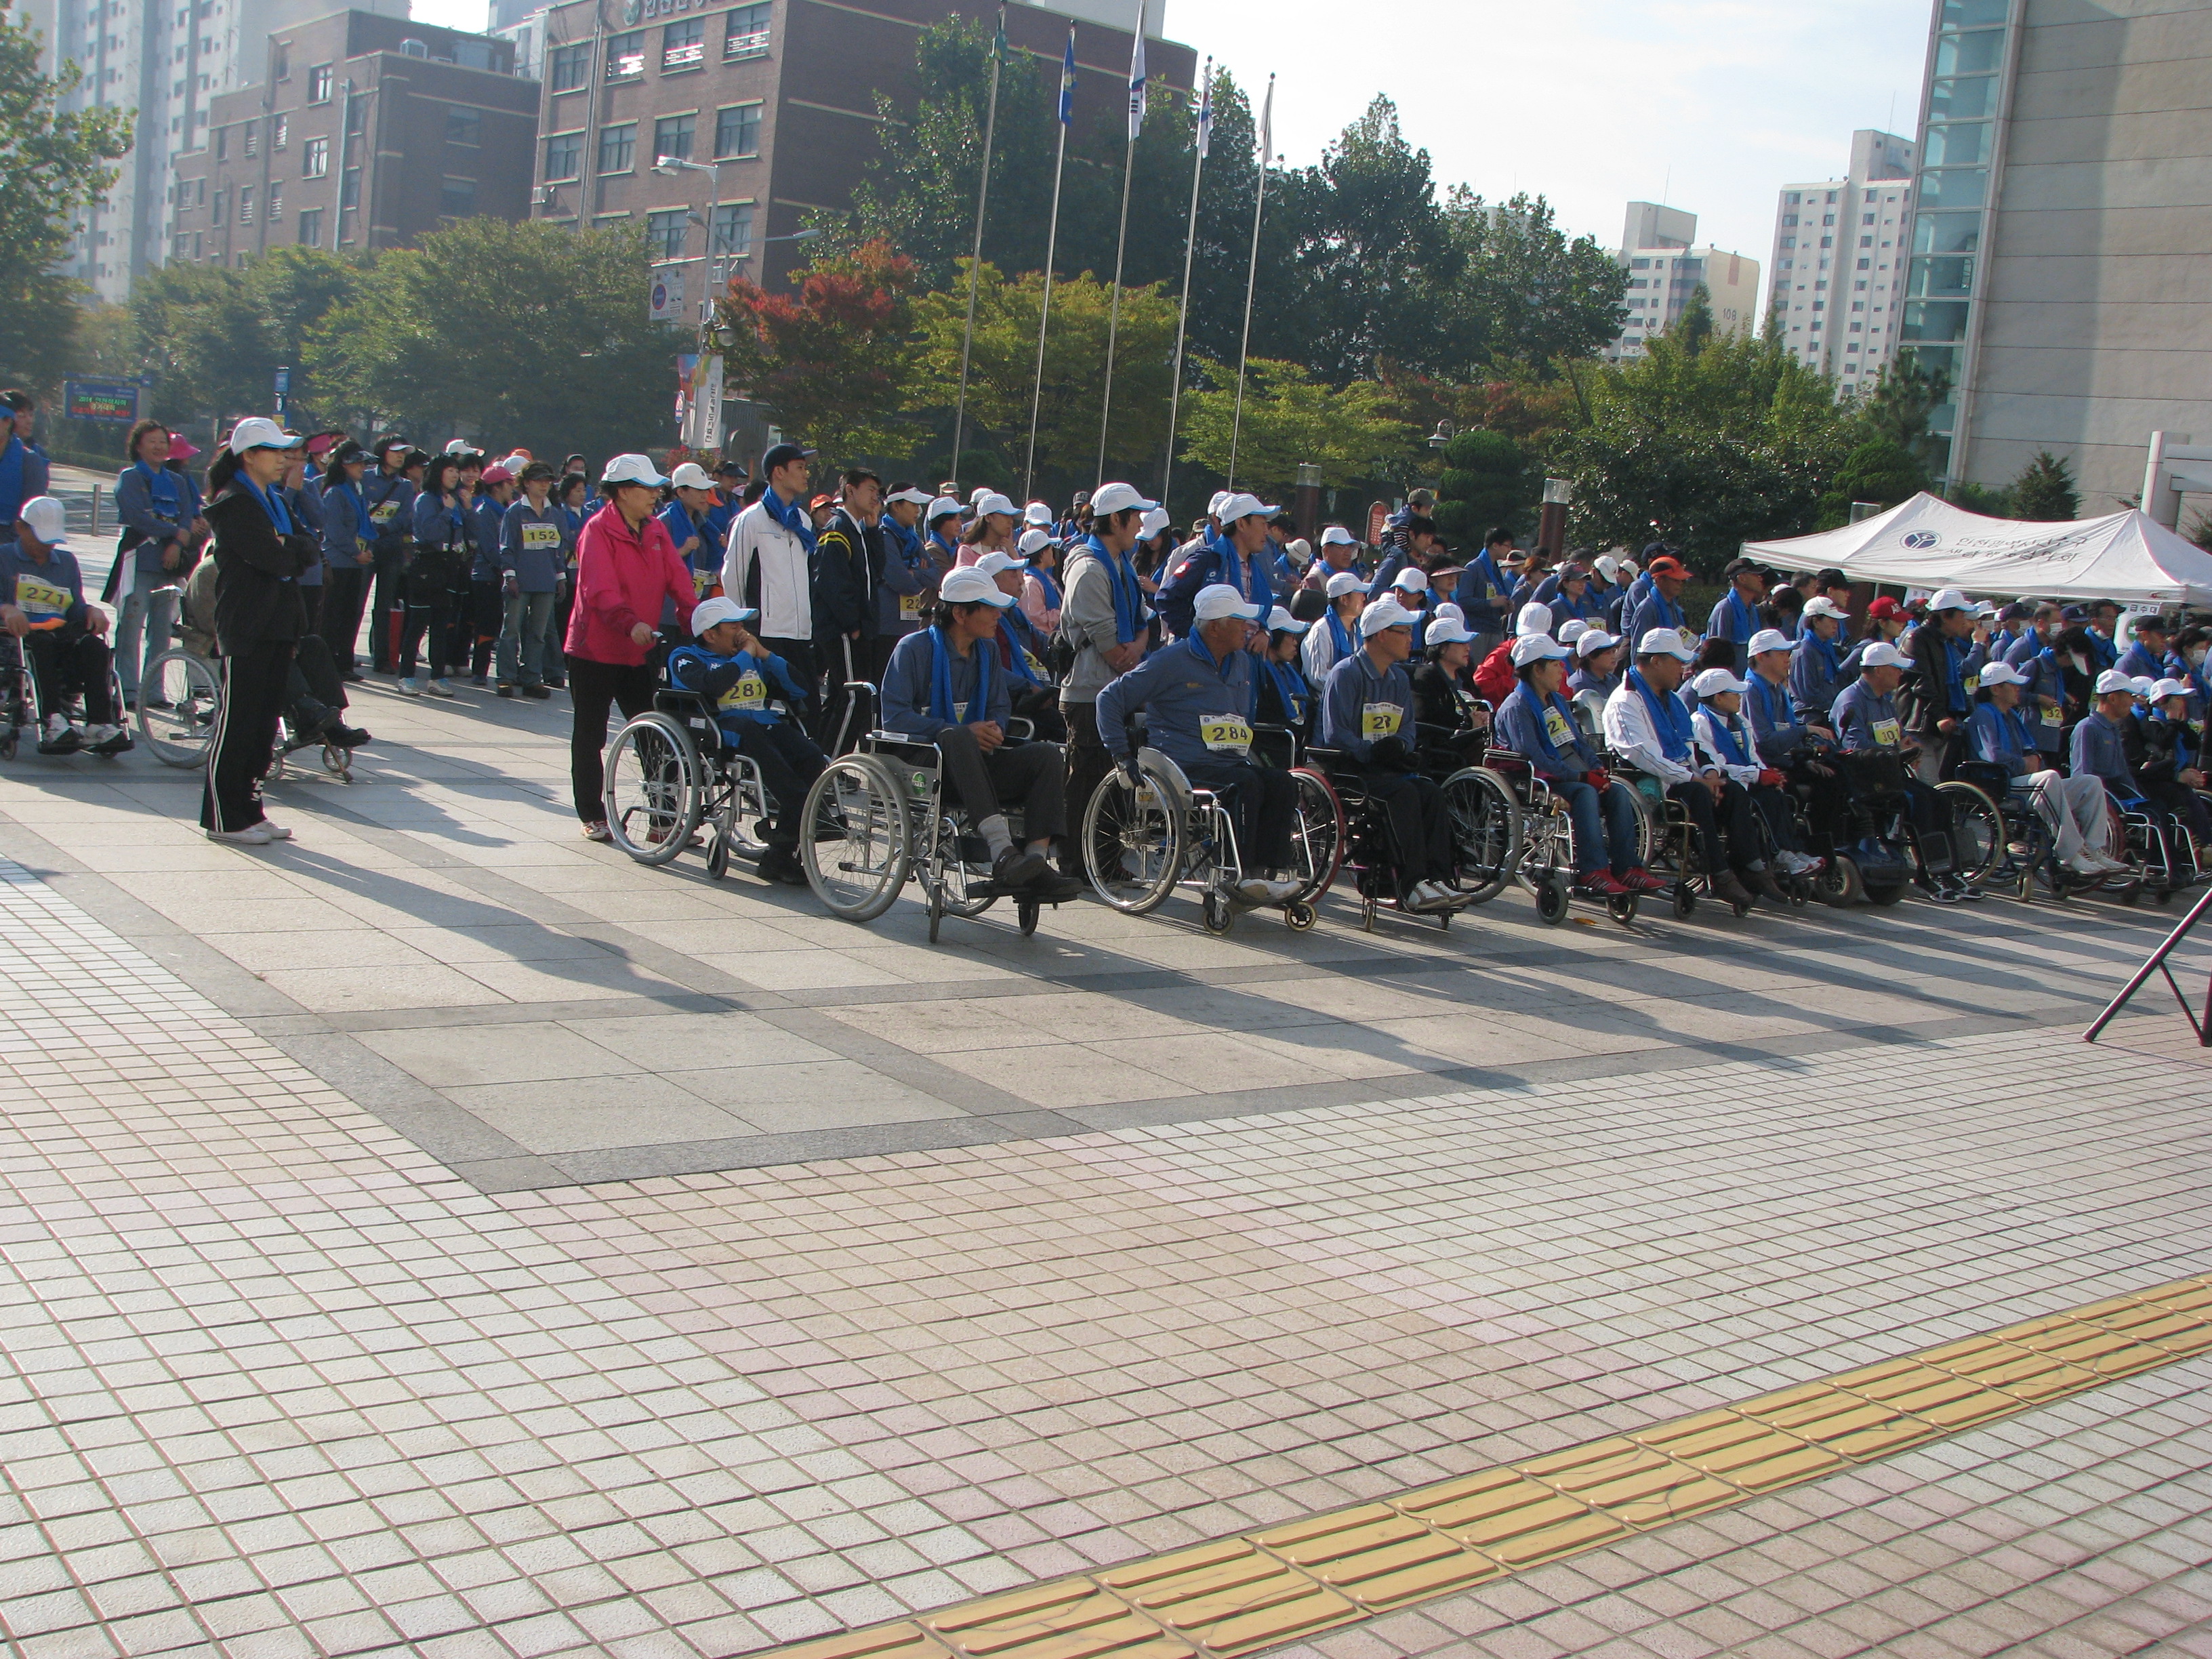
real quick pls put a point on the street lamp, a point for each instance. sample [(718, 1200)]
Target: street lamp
[(1552, 525)]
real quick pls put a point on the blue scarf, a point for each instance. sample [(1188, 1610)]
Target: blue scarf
[(793, 518), (11, 480), (1128, 596), (1730, 739), (1668, 718), (1667, 609), (348, 489), (941, 677), (1020, 639), (162, 485), (1542, 705), (1290, 686), (1955, 671), (904, 541), (1339, 635), (2023, 737), (1739, 618), (1774, 701), (272, 503), (1826, 650), (1051, 588), (1227, 566), (1491, 574)]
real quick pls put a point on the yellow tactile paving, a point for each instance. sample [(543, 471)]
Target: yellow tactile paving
[(1238, 1595)]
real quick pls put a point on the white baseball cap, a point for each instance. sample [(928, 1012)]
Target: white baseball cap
[(1036, 513), (719, 609), (1337, 536), (1767, 638), (460, 446), (1821, 605), (1119, 498), (1714, 681), (915, 495), (1533, 619), (2112, 680), (2159, 693), (1280, 621), (1571, 630), (993, 501), (1217, 601), (1607, 566), (2003, 673), (972, 585), (1241, 506), (1446, 630), (1033, 539), (1882, 654), (1665, 642), (1221, 498), (690, 476), (631, 469), (1155, 521), (1594, 640), (1536, 648), (48, 518), (1410, 581), (942, 507), (1450, 609), (1949, 599), (992, 562), (2143, 684), (1343, 582), (1299, 551), (1384, 613), (259, 432)]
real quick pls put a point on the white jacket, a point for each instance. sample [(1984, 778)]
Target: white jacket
[(1703, 721), (786, 580), (1629, 733)]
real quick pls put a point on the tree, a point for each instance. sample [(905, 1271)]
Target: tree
[(830, 360), (1538, 297), (1881, 470), (1290, 417), (2045, 491), (1695, 327), (1488, 481), (1902, 401), (53, 165), (215, 336), (531, 331), (1002, 373)]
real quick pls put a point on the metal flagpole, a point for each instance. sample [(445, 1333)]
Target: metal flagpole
[(1051, 247), (1189, 247), (975, 258), (1252, 279), (1120, 246)]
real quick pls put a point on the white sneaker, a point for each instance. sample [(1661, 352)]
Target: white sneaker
[(1281, 892), (254, 835), (96, 734), (1253, 890), (410, 688), (277, 831), (2081, 863), (1430, 895), (441, 689), (2110, 866)]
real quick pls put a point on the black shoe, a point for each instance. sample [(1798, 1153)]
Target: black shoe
[(351, 676), (537, 692), (1055, 887), (505, 690), (1015, 867), (1762, 883), (781, 863), (345, 737)]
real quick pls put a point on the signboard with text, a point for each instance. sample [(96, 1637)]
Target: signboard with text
[(666, 299), (100, 400)]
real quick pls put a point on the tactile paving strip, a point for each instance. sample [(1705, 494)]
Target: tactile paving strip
[(1238, 1595)]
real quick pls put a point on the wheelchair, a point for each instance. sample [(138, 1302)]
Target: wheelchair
[(180, 703), (877, 817), (2156, 844), (1167, 832), (1545, 867), (20, 714), (1669, 838), (672, 770), (1486, 830), (1977, 849)]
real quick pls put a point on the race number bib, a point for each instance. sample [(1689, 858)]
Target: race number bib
[(1555, 728), (1030, 661), (1225, 733), (542, 537), (2054, 717), (41, 601), (910, 607), (703, 580), (751, 692), (1885, 733), (1380, 720), (383, 513), (1973, 681)]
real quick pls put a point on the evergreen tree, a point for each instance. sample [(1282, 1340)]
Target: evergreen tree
[(2045, 491)]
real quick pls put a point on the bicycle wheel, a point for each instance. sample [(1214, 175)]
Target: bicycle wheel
[(655, 794), (1486, 832), (853, 842), (178, 702), (1318, 836), (1978, 830), (1143, 834)]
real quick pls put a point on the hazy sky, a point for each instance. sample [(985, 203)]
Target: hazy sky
[(1709, 105)]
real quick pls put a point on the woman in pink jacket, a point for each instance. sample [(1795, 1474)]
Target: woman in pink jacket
[(627, 569)]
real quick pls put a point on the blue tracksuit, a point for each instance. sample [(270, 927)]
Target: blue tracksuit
[(1194, 703), (908, 679), (743, 686), (1216, 561), (1866, 724), (1359, 706), (1819, 669), (1655, 611)]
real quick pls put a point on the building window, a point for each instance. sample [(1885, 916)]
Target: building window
[(350, 190), (275, 203), (315, 159), (672, 135), (457, 198), (245, 204), (222, 143), (568, 67), (564, 157), (280, 132), (319, 84), (252, 129), (214, 213), (464, 126), (283, 61), (310, 227), (682, 45), (737, 131), (618, 148), (745, 32), (733, 231), (664, 234), (626, 55), (357, 116)]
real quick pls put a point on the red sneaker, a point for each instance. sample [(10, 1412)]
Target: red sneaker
[(1640, 880), (1600, 883)]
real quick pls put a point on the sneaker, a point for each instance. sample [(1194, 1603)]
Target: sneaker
[(117, 742), (277, 831), (1640, 880), (2110, 866), (254, 835), (504, 688), (480, 681), (598, 831), (439, 688), (1282, 893), (1017, 867), (1054, 887), (96, 735), (410, 687), (781, 865), (1429, 895), (1253, 890), (539, 692), (1726, 888), (61, 738), (1600, 883), (2081, 863)]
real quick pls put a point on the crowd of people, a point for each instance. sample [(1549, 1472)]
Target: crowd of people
[(1023, 640)]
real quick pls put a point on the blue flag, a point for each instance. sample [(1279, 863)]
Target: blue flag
[(1068, 82)]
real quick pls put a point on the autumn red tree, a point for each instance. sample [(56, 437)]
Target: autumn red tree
[(830, 359)]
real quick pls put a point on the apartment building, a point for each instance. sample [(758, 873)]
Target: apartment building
[(1665, 268), (1839, 261)]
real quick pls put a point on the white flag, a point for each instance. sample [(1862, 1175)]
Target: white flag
[(1267, 126), (1205, 113), (1137, 78)]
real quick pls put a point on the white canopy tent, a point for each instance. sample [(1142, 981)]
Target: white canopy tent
[(1928, 543)]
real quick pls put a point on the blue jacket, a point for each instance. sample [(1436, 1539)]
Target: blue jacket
[(390, 501), (1728, 623), (1483, 595), (152, 524), (1180, 689), (906, 576), (438, 524), (345, 530), (1359, 706), (907, 686), (742, 686), (2002, 737), (2100, 749), (24, 472), (534, 560), (1866, 724), (486, 518), (1548, 736), (305, 506), (43, 591), (2044, 679), (1814, 684), (1776, 726), (1656, 609), (1178, 595), (2138, 661)]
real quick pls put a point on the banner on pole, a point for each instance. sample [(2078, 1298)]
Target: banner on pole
[(702, 415), (666, 301)]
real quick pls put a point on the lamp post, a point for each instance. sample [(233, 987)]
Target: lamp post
[(1551, 528)]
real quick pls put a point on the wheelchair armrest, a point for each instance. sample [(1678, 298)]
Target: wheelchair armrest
[(1019, 730), (1151, 761)]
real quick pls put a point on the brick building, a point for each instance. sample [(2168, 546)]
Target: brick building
[(782, 92), (368, 131)]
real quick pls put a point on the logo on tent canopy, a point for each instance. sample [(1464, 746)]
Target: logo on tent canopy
[(1921, 538)]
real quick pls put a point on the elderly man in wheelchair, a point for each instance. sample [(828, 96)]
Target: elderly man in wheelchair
[(1199, 697), (60, 641), (2070, 810)]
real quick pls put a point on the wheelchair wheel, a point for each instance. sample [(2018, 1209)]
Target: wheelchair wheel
[(718, 852), (855, 855), (1838, 882), (1621, 907), (1978, 831), (1025, 915), (1885, 893), (950, 882), (1219, 914), (1299, 916), (1486, 832), (178, 734), (1143, 834), (1685, 900), (655, 793), (1552, 898), (1319, 833)]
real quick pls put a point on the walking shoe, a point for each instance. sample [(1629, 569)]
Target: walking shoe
[(409, 687), (1283, 891), (598, 831), (254, 835), (1762, 883), (1641, 880), (1600, 883), (480, 681), (1253, 890), (1431, 896), (344, 736), (1729, 890), (116, 741), (277, 831), (61, 738), (1017, 867), (1054, 887), (439, 688), (537, 692), (781, 865), (504, 688)]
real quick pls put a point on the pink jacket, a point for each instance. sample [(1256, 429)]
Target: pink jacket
[(622, 578)]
